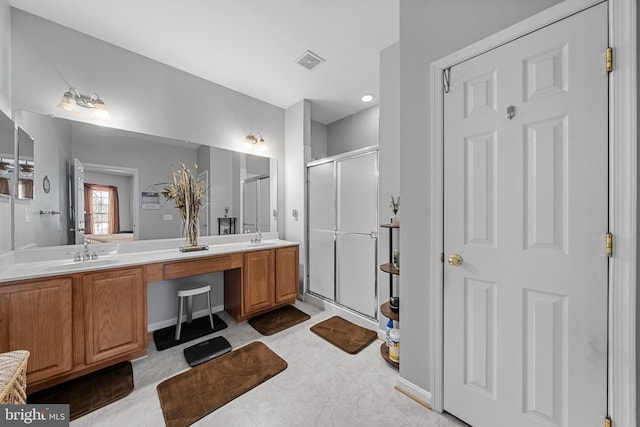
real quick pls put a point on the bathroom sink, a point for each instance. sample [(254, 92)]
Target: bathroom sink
[(259, 245), (69, 266)]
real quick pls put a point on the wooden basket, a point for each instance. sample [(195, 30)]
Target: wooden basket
[(13, 377)]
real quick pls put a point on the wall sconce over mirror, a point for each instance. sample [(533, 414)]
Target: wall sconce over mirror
[(72, 99), (255, 140)]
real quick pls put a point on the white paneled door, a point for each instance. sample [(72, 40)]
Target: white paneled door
[(526, 204)]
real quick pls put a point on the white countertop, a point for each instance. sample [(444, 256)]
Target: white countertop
[(45, 262)]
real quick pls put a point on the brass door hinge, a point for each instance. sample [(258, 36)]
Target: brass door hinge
[(609, 245), (609, 60), (607, 422)]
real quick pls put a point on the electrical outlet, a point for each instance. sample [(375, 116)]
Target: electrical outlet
[(167, 217)]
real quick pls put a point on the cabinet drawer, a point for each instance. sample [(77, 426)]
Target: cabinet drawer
[(200, 266)]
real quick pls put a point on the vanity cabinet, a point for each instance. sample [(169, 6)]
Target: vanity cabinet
[(287, 271), (74, 324), (267, 280), (114, 313), (259, 281), (37, 316)]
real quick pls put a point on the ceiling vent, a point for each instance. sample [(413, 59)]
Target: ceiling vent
[(310, 60)]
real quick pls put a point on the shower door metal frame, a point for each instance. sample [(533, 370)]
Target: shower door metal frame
[(374, 235)]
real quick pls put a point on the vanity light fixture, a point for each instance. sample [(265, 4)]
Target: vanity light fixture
[(72, 98), (255, 141)]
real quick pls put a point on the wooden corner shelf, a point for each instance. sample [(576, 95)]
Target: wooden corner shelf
[(385, 308), (390, 268), (384, 351), (388, 313)]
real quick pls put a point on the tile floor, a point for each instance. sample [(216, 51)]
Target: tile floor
[(322, 386)]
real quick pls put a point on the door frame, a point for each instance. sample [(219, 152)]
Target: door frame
[(135, 185), (623, 189)]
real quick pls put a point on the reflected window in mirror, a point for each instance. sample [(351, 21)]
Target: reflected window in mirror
[(25, 188), (26, 165), (102, 210)]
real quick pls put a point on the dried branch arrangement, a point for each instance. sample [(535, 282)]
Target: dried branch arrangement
[(187, 193)]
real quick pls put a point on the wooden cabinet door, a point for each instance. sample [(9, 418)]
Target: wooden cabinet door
[(286, 274), (37, 317), (258, 281), (114, 313)]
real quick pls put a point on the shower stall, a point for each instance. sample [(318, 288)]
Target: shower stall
[(342, 230)]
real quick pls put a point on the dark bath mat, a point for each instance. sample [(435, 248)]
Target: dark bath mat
[(89, 392), (345, 335), (193, 394), (278, 320), (165, 337)]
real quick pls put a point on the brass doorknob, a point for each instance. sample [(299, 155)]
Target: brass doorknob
[(455, 260)]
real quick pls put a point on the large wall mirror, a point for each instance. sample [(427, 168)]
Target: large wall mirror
[(7, 177), (107, 183), (7, 157)]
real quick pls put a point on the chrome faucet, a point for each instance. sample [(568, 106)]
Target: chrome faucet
[(86, 254), (77, 256), (257, 238)]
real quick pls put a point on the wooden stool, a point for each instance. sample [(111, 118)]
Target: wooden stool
[(188, 290), (13, 377)]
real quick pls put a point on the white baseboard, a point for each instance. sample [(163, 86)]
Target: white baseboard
[(170, 322), (418, 394)]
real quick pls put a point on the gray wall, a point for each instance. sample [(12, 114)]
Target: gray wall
[(638, 242), (318, 140), (298, 153), (355, 131), (223, 187), (154, 162), (55, 150), (388, 160), (5, 57), (429, 30), (5, 106)]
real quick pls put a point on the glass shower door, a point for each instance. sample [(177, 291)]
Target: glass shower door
[(321, 229), (357, 224)]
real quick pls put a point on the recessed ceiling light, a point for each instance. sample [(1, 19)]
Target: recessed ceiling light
[(367, 98)]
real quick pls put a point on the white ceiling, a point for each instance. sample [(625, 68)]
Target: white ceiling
[(250, 46)]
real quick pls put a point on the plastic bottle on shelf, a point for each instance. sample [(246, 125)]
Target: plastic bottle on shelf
[(389, 328), (394, 348)]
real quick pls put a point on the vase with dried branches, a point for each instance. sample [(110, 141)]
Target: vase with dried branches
[(187, 192), (395, 206)]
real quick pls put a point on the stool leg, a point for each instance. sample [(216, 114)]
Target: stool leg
[(210, 314), (179, 322), (189, 309)]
